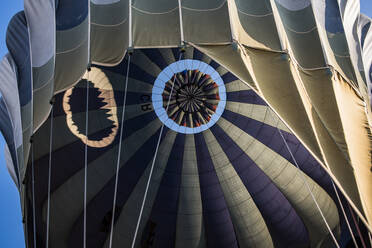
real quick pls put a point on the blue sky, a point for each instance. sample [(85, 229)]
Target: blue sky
[(11, 229)]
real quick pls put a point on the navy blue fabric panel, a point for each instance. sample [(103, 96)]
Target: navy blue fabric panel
[(214, 64), (78, 100), (333, 21), (70, 13), (176, 54), (285, 226), (228, 77), (245, 96), (71, 164), (140, 74), (364, 33), (218, 225), (6, 129), (197, 55), (156, 57), (135, 71), (99, 209), (163, 218), (270, 137), (17, 41)]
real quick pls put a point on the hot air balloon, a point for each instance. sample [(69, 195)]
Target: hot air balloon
[(189, 123)]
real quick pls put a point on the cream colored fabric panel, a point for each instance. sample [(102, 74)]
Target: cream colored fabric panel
[(155, 23), (288, 179), (126, 224), (257, 112), (253, 24), (109, 32), (249, 225), (318, 85), (358, 138), (190, 231), (206, 22)]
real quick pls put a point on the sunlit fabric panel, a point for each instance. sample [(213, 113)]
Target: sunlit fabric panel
[(17, 40), (358, 138), (233, 184), (155, 23), (326, 120), (41, 27), (206, 22), (72, 42), (249, 19), (273, 78), (11, 123), (320, 127), (109, 30)]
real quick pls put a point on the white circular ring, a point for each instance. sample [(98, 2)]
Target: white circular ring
[(167, 74)]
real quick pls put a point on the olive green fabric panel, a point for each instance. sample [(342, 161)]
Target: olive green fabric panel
[(43, 90), (253, 24), (41, 104), (109, 29), (302, 34), (156, 23), (257, 21), (42, 75), (71, 56), (206, 24), (109, 14), (70, 67)]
